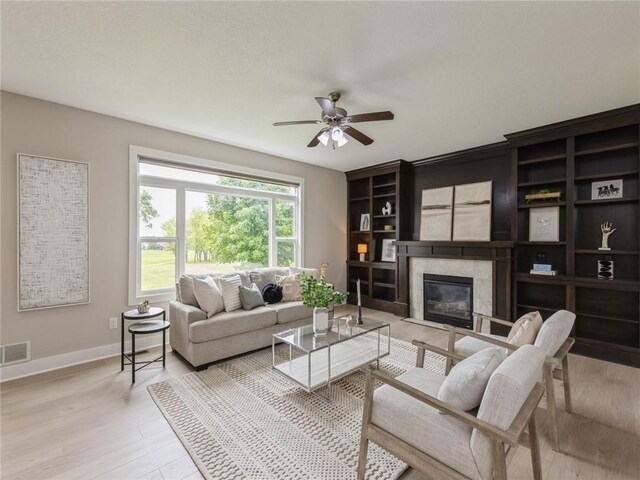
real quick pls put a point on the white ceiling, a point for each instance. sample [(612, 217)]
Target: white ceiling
[(456, 75)]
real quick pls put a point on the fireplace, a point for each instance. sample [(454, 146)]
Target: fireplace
[(448, 300)]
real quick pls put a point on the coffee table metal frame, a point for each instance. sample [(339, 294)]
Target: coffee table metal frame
[(340, 341)]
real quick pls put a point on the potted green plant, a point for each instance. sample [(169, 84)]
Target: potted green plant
[(319, 295)]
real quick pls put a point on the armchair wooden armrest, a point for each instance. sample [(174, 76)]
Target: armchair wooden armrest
[(422, 346), (453, 331), (510, 436), (563, 350), (481, 317)]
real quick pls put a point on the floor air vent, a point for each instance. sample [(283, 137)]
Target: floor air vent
[(15, 353)]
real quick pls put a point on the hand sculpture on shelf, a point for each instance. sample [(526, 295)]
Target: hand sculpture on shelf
[(607, 230)]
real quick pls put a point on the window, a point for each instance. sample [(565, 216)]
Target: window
[(191, 217)]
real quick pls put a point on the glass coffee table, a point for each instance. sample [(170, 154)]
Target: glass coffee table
[(316, 361)]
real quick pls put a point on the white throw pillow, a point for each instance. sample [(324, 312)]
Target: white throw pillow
[(230, 292), (291, 288), (525, 329), (208, 295), (464, 386)]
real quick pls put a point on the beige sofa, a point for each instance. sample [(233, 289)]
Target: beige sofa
[(201, 340)]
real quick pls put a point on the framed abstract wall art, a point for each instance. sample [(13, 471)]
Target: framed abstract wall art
[(472, 212), (436, 214)]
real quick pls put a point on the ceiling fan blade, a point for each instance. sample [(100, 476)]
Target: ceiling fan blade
[(327, 106), (299, 122), (370, 117), (358, 135), (316, 139)]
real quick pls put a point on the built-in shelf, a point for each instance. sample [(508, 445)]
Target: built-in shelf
[(384, 195), (382, 185), (609, 148), (385, 216), (384, 231), (537, 307), (536, 183), (605, 176), (541, 205), (361, 231), (384, 285), (541, 243), (607, 252), (358, 199), (527, 277), (608, 200), (542, 159), (362, 282), (606, 317)]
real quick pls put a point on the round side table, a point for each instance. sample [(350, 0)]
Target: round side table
[(134, 316), (146, 328)]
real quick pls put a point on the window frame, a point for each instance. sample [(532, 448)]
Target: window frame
[(139, 155)]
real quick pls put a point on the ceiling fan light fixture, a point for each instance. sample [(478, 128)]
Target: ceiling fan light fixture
[(342, 141), (337, 134), (324, 138)]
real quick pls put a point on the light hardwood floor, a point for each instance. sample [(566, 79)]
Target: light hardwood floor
[(89, 422)]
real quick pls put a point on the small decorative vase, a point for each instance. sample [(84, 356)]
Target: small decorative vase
[(320, 321), (143, 308)]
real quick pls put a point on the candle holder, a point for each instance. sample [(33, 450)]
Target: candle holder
[(359, 322)]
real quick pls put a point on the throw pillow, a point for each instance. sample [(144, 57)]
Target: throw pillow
[(187, 294), (272, 293), (208, 295), (291, 288), (230, 292), (312, 272), (250, 298), (525, 330), (464, 386)]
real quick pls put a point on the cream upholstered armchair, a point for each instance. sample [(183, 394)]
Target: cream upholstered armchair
[(553, 338), (405, 417)]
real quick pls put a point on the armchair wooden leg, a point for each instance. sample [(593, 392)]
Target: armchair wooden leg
[(536, 462), (551, 406), (451, 349), (499, 460), (568, 406), (420, 358), (366, 419)]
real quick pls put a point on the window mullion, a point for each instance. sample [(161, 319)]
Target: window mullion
[(181, 232), (273, 244)]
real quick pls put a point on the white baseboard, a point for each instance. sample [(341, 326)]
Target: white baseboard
[(56, 362)]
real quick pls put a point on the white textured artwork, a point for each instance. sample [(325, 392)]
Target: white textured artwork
[(472, 212), (53, 232), (435, 218)]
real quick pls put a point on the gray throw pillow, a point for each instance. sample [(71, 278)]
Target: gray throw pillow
[(464, 386), (250, 298)]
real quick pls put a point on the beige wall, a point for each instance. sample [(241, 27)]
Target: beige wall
[(48, 129)]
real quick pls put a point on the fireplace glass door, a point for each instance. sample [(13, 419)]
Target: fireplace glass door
[(448, 300)]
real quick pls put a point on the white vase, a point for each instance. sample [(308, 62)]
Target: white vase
[(320, 320)]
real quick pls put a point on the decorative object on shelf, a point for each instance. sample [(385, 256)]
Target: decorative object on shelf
[(324, 266), (319, 295), (543, 269), (436, 214), (472, 212), (53, 232), (388, 227), (388, 250), (606, 190), (386, 210), (359, 322), (365, 222), (143, 307), (362, 250), (544, 224), (542, 195), (605, 269), (607, 230)]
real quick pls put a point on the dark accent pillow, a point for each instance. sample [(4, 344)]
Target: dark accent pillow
[(250, 298), (272, 293)]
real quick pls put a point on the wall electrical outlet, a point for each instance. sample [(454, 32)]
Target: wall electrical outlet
[(113, 323)]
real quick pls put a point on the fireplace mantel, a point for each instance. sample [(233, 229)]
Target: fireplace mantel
[(497, 252)]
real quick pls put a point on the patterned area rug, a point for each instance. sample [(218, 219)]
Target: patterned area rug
[(242, 420)]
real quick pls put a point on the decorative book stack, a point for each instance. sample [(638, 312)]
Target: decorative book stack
[(543, 269)]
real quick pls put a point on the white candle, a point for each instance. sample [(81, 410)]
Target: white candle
[(358, 286)]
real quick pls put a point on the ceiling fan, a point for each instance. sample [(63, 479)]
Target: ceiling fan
[(338, 123)]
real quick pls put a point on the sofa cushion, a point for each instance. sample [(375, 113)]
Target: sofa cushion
[(525, 329), (230, 292), (312, 272), (467, 346), (187, 294), (464, 386), (291, 311), (208, 295), (554, 331), (420, 425), (250, 298), (226, 324), (243, 274), (291, 287), (262, 276)]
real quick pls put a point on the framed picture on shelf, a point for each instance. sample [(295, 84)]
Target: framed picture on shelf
[(388, 250), (606, 190), (544, 224), (365, 222)]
